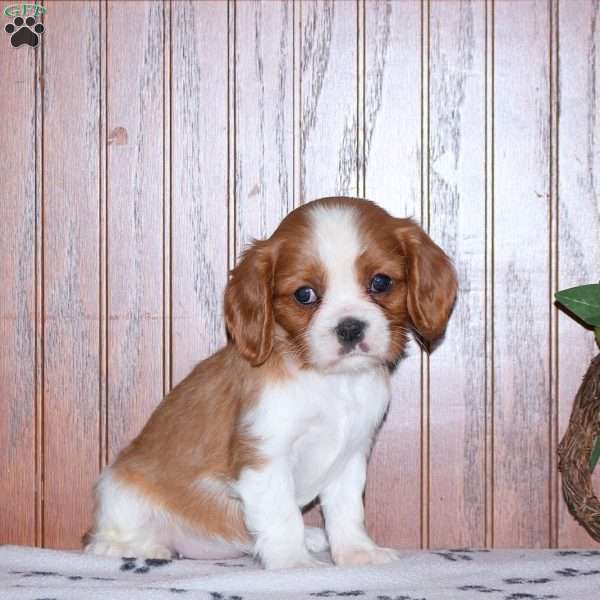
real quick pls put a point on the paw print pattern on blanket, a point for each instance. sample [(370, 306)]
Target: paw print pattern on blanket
[(457, 554), (584, 553), (130, 564), (570, 572), (402, 597), (527, 596), (27, 574), (337, 594), (521, 580), (484, 589)]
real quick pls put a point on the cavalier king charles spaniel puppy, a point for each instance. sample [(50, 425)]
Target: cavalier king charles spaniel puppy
[(286, 412)]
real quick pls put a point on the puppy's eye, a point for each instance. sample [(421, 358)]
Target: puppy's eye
[(380, 283), (306, 295)]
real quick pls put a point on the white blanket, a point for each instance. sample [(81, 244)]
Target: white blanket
[(34, 574)]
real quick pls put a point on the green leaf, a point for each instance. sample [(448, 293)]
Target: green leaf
[(583, 301), (595, 455)]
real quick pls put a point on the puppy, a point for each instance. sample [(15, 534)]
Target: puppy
[(286, 412)]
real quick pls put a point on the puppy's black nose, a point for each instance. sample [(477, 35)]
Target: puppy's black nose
[(350, 331)]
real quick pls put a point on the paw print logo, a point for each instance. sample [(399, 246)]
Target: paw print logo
[(24, 32)]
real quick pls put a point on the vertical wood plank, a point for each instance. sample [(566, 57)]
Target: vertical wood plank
[(103, 244), (71, 238), (521, 302), (263, 117), (199, 174), (489, 272), (231, 135), (553, 270), (39, 303), (392, 179), (457, 223), (167, 202), (18, 297), (297, 102), (135, 212), (328, 99), (579, 210)]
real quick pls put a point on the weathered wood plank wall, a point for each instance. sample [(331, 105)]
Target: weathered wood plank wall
[(137, 167)]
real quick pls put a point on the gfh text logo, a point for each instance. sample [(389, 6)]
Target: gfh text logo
[(24, 10)]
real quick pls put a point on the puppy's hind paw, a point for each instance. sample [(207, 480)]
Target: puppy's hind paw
[(101, 548), (106, 549), (315, 539)]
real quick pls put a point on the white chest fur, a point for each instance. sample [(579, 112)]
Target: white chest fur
[(315, 422)]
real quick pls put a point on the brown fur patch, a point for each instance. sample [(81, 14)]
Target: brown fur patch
[(382, 255), (297, 266), (425, 283), (432, 281), (194, 433), (248, 302)]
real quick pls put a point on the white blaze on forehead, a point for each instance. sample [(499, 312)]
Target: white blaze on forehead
[(338, 244)]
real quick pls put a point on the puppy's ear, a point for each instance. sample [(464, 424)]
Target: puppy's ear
[(432, 282), (248, 303)]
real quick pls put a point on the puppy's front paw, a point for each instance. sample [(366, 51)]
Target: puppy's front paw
[(364, 555), (300, 560), (309, 563)]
